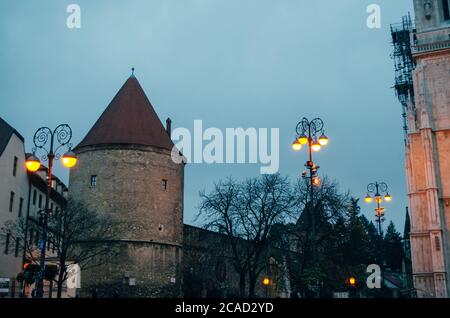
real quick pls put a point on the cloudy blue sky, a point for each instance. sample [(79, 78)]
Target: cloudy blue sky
[(231, 63)]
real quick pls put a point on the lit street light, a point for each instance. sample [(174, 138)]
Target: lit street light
[(311, 133), (307, 134), (378, 190), (43, 137)]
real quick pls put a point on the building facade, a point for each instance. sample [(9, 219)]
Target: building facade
[(423, 86), (125, 171), (22, 196)]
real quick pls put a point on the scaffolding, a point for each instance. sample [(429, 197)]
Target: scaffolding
[(403, 37)]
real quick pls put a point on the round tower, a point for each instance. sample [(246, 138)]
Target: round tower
[(125, 172)]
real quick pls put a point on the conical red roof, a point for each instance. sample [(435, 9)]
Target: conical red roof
[(128, 119)]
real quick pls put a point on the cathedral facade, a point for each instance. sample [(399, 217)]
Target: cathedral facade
[(428, 148)]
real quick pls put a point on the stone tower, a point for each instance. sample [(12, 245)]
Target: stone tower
[(125, 172), (428, 149)]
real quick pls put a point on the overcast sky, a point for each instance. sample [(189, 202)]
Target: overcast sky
[(231, 63)]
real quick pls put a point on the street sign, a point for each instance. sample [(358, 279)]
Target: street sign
[(4, 285)]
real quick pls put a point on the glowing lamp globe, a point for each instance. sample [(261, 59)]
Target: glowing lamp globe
[(378, 199), (368, 198), (315, 146), (32, 163), (303, 139), (316, 181), (323, 140), (266, 281), (388, 197), (296, 145), (69, 159), (352, 281)]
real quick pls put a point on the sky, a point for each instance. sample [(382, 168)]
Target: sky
[(230, 63)]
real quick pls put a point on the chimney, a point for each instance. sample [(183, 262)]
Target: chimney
[(168, 126)]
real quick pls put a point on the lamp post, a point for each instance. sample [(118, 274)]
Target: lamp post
[(311, 133), (378, 189), (45, 140)]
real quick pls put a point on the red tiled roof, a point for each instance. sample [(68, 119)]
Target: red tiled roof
[(129, 119)]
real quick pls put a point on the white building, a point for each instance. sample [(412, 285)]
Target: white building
[(22, 195)]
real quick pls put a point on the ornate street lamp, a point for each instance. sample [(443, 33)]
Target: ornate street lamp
[(44, 140), (376, 191), (311, 133)]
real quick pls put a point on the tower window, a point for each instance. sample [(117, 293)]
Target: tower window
[(15, 166), (40, 201), (164, 184), (93, 180), (446, 9), (11, 201)]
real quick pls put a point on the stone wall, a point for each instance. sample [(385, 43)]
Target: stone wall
[(129, 189)]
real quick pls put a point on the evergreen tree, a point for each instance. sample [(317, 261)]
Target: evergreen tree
[(393, 248)]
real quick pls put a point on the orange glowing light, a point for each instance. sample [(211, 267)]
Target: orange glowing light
[(323, 140), (32, 163), (69, 159), (315, 146), (296, 145)]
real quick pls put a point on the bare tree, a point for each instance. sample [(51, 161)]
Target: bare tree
[(246, 212), (82, 237), (77, 235)]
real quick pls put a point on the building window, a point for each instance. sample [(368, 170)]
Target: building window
[(164, 184), (34, 197), (7, 243), (438, 243), (93, 180), (40, 201), (446, 9), (51, 208), (20, 206), (31, 237), (16, 252), (15, 166), (11, 201)]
